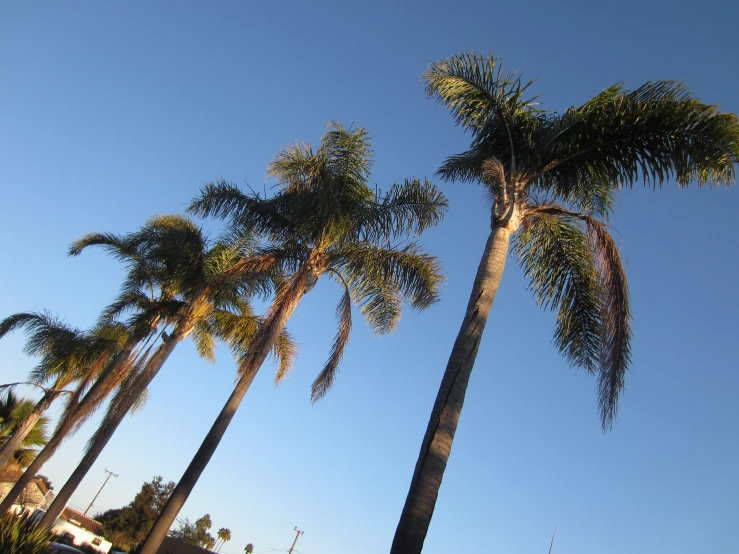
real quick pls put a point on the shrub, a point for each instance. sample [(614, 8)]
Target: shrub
[(19, 534)]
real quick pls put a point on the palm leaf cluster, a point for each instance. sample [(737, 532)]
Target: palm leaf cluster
[(326, 219), (13, 411)]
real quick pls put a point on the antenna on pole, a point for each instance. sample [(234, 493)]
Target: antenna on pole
[(110, 474)]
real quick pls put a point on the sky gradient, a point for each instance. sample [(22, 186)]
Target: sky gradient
[(113, 112)]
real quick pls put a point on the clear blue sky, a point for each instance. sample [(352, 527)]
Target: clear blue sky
[(113, 112)]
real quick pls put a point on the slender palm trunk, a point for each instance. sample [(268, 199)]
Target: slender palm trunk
[(264, 342), (94, 396), (19, 435), (131, 392), (437, 443)]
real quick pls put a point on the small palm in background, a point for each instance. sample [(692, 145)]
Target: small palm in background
[(13, 411)]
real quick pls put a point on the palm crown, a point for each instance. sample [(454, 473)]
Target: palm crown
[(325, 218)]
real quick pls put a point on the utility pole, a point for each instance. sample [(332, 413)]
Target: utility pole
[(298, 532), (110, 474)]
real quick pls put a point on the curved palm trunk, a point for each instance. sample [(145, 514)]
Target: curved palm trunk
[(16, 439), (437, 443), (264, 342), (133, 390), (96, 394)]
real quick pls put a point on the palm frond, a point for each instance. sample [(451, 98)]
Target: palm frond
[(490, 101), (616, 314), (225, 200), (204, 339), (611, 354), (653, 133), (284, 352), (381, 278), (325, 379), (408, 208), (555, 256), (122, 248)]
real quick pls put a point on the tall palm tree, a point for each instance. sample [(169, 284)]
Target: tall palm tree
[(552, 177), (14, 411), (201, 283), (324, 220)]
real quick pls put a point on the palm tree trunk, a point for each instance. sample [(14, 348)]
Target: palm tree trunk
[(264, 341), (19, 435), (88, 403), (136, 387), (437, 443)]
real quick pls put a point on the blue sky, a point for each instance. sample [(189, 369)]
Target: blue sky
[(111, 113)]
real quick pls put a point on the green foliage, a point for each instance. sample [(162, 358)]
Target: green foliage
[(13, 411), (20, 535), (195, 533), (326, 219), (128, 526)]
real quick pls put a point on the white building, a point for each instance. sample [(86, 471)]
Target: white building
[(80, 529), (72, 525)]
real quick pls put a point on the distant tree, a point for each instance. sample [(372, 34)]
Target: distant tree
[(128, 526), (46, 481), (224, 535), (249, 548), (195, 533)]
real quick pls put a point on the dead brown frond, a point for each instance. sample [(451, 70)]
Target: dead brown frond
[(616, 351)]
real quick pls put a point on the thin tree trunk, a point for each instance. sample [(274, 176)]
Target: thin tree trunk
[(437, 443), (21, 432), (116, 414), (88, 403), (264, 341)]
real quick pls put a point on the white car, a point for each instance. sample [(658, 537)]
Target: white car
[(56, 548)]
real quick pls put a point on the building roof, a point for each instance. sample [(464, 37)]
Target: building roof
[(77, 518)]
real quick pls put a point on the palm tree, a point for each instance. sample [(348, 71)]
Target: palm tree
[(325, 220), (14, 412), (102, 377), (147, 295), (199, 283), (224, 535), (551, 178), (67, 356), (56, 343)]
